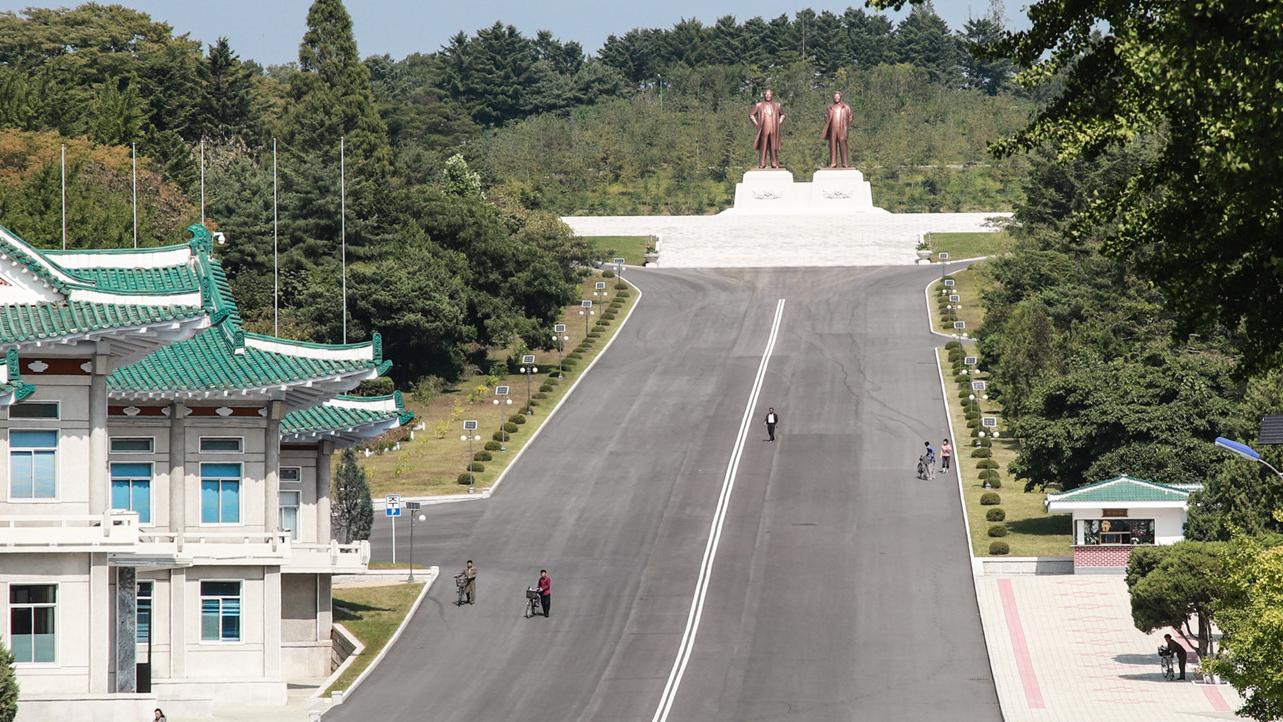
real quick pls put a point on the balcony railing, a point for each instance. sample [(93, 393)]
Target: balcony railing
[(109, 531), (333, 557)]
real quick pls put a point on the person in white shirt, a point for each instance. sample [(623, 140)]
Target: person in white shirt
[(772, 419)]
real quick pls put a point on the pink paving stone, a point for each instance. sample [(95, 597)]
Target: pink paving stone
[(1016, 630), (1213, 694)]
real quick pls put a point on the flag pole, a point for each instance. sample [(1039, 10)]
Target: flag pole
[(276, 262), (202, 181), (343, 226), (133, 148), (63, 182)]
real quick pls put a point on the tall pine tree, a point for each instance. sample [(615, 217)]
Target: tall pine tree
[(228, 109)]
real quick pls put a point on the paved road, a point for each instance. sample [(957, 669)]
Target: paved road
[(840, 589)]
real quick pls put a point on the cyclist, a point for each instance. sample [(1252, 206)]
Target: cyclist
[(930, 456)]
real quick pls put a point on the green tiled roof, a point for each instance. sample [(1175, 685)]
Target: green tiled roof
[(1122, 489), (168, 279), (337, 417), (13, 383), (34, 322)]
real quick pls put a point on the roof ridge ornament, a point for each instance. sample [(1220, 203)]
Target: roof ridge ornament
[(202, 241)]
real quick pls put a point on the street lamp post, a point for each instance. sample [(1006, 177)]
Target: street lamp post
[(560, 338), (501, 400), (1246, 452), (469, 435), (413, 508), (619, 262), (586, 310), (529, 368)]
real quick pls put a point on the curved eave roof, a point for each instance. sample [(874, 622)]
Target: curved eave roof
[(12, 388), (346, 420)]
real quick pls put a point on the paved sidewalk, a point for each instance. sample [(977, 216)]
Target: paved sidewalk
[(1064, 648)]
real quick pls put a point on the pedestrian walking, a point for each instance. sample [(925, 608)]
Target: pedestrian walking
[(1175, 648), (930, 455), (772, 420), (946, 451), (470, 586), (545, 591), (158, 716)]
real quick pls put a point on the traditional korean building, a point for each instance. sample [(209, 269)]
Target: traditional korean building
[(165, 535)]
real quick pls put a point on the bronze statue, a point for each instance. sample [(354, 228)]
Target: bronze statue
[(768, 117), (836, 121)]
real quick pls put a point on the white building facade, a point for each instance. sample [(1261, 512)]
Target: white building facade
[(165, 535)]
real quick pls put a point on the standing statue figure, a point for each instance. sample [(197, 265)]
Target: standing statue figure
[(768, 117), (837, 118)]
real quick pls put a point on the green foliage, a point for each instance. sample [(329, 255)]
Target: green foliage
[(981, 453), (995, 514), (493, 446), (476, 466), (8, 686), (510, 427), (986, 464), (990, 499), (546, 387), (482, 456), (1247, 607), (353, 510), (998, 530), (1171, 584), (465, 478), (457, 179), (517, 419), (999, 548)]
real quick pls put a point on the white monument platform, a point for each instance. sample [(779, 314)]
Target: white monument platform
[(830, 191)]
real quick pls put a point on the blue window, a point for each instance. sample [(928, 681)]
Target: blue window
[(31, 622), (33, 464), (220, 493), (131, 489), (143, 626), (220, 611)]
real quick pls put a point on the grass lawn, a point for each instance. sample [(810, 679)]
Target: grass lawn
[(630, 247), (372, 614), (431, 463), (1031, 531), (970, 245)]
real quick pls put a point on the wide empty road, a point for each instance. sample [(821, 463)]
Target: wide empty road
[(840, 585)]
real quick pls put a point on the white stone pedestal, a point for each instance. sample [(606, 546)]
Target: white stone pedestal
[(831, 191)]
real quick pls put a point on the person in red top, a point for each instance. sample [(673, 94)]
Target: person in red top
[(545, 591), (946, 451)]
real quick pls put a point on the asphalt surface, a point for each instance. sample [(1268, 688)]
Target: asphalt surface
[(841, 586)]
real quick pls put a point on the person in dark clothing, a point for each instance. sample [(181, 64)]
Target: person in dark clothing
[(1179, 651), (772, 419), (545, 591)]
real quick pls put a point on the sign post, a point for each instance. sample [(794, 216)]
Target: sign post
[(469, 435), (413, 508), (529, 368), (501, 400), (392, 509), (560, 337), (585, 310), (944, 263), (619, 266)]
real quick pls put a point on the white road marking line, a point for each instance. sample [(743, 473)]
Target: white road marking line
[(715, 532)]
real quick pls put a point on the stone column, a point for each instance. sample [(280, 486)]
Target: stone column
[(178, 470), (271, 623), (324, 607), (98, 436), (125, 643), (177, 623), (99, 623), (323, 532), (272, 467)]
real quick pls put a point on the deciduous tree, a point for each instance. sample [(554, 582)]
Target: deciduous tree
[(1172, 584), (1249, 613)]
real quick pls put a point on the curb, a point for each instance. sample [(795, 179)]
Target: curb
[(926, 293), (433, 573), (454, 498), (357, 649)]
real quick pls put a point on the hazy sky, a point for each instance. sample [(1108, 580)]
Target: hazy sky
[(269, 31)]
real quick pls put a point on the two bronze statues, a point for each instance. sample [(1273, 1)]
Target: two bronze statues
[(768, 116)]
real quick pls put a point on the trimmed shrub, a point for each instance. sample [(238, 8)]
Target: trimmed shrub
[(482, 456), (994, 483), (510, 427), (493, 446), (999, 548), (962, 378), (986, 464), (973, 423), (963, 394), (995, 514), (622, 294), (464, 478), (989, 474), (990, 499), (607, 274), (981, 453), (476, 466), (621, 286), (998, 530), (539, 395), (499, 436), (517, 418), (546, 387), (986, 442), (953, 345)]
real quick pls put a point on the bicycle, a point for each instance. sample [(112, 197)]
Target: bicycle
[(461, 583), (1167, 661), (534, 603)]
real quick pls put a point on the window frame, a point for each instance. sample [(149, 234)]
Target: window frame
[(240, 445), (297, 507), (138, 610), (151, 489), (11, 606), (240, 497), (1081, 531), (112, 450), (280, 474), (57, 487), (57, 405), (240, 615)]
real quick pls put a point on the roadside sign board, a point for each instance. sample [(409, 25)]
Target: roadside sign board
[(943, 255), (501, 391), (948, 283), (470, 425), (600, 285), (978, 385), (969, 360), (559, 328), (392, 505), (989, 422), (586, 303), (412, 505), (528, 359), (959, 324), (954, 298), (617, 260)]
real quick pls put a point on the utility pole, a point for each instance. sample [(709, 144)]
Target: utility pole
[(343, 227), (202, 181), (64, 196), (133, 147), (276, 260)]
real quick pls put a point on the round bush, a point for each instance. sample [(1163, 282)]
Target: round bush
[(953, 345), (499, 436), (493, 446), (998, 530), (464, 478), (482, 456), (973, 424), (539, 396), (999, 548), (964, 395), (981, 453), (607, 274), (574, 356), (989, 474), (995, 514), (986, 442), (994, 483), (545, 387), (622, 294), (476, 466), (517, 418), (986, 464), (962, 378), (608, 316), (510, 427), (594, 334), (990, 499), (569, 364)]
